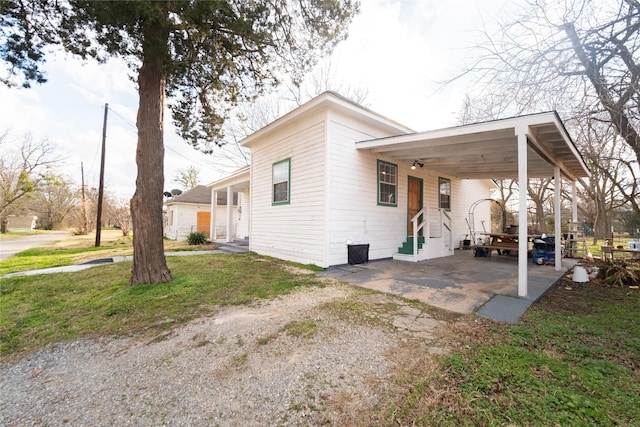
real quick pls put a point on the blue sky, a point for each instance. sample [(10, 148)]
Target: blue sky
[(397, 50)]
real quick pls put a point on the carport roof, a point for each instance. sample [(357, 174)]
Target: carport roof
[(489, 149)]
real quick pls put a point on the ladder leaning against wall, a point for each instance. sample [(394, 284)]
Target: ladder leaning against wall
[(575, 246)]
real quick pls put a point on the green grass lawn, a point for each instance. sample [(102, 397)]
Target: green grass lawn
[(573, 360), (44, 309), (78, 249), (596, 248)]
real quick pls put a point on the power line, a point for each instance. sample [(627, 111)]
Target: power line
[(165, 143)]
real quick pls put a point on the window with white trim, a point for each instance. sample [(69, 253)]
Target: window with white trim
[(281, 179), (387, 184)]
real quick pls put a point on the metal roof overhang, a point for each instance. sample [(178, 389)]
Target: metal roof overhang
[(489, 150)]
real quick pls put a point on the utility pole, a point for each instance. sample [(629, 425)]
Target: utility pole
[(101, 189), (85, 225)]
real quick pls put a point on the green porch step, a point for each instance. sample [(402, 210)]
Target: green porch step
[(407, 246)]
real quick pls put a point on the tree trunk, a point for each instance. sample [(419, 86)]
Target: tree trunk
[(149, 264)]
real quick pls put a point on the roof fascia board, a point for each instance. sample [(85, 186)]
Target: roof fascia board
[(535, 145), (475, 128), (570, 144), (173, 203), (326, 100), (238, 177)]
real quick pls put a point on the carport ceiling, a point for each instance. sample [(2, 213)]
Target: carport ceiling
[(489, 149)]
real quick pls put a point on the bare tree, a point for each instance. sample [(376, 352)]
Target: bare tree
[(579, 57), (539, 191), (121, 217), (188, 177), (578, 49), (53, 202), (24, 168), (324, 78), (613, 183)]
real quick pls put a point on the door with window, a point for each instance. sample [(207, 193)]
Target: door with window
[(414, 203)]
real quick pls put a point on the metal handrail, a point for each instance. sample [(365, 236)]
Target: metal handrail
[(416, 228), (448, 227)]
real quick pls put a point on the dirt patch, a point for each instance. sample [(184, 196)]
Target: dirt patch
[(576, 298), (288, 361)]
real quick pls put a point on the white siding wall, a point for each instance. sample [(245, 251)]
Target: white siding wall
[(184, 220), (464, 193), (353, 209), (293, 231), (329, 207), (354, 213)]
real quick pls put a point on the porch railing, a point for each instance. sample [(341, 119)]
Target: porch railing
[(447, 224), (417, 227), (444, 221)]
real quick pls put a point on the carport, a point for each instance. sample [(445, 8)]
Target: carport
[(530, 146)]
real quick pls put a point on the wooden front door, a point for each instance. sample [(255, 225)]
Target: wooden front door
[(203, 221), (414, 203)]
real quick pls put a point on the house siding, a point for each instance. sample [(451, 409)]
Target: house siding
[(185, 218), (354, 213), (334, 194), (293, 231), (464, 193)]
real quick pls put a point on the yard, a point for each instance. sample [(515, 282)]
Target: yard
[(574, 358)]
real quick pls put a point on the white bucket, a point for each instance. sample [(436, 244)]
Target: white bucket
[(580, 274)]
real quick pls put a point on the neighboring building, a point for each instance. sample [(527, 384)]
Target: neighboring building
[(21, 223), (332, 174), (191, 211)]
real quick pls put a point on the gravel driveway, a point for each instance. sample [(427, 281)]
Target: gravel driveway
[(243, 366)]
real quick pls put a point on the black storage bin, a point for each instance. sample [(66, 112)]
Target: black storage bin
[(358, 254)]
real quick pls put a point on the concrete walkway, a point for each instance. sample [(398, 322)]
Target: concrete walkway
[(461, 283), (100, 261)]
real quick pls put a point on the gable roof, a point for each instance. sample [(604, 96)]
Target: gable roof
[(198, 194), (337, 103)]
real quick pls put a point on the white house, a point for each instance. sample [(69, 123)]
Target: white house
[(191, 211), (332, 174)]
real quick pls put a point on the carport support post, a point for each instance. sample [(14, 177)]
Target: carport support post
[(557, 189), (574, 202), (523, 238), (229, 213), (212, 217)]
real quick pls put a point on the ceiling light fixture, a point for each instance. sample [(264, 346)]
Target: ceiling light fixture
[(416, 163)]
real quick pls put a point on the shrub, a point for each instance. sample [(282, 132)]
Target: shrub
[(619, 274), (197, 238)]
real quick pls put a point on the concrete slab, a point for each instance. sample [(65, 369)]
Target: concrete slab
[(460, 283), (505, 308)]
